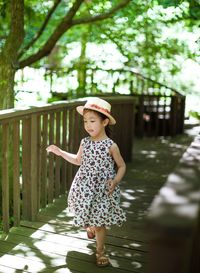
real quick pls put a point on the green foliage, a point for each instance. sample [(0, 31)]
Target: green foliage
[(194, 6), (4, 20), (195, 114), (141, 32), (195, 9), (149, 36), (3, 5), (169, 3)]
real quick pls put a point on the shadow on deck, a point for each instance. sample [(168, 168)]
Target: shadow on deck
[(52, 245)]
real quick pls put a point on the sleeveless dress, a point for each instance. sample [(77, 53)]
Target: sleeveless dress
[(88, 197)]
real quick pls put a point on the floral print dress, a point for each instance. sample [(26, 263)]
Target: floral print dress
[(88, 198)]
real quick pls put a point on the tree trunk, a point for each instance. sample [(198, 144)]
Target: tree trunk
[(7, 74), (8, 55), (8, 66), (82, 66)]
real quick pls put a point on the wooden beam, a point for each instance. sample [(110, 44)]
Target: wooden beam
[(34, 169), (5, 177), (16, 172)]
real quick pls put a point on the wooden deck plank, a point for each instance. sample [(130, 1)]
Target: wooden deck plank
[(52, 244), (23, 252), (111, 239), (22, 263), (39, 241), (7, 269), (25, 256)]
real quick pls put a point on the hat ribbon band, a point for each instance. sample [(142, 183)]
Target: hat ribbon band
[(99, 108)]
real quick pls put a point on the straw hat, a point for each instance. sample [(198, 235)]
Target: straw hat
[(99, 105)]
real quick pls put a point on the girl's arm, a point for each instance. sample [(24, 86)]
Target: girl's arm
[(72, 158), (121, 167)]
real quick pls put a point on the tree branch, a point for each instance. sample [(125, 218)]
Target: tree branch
[(58, 32), (109, 14), (115, 42), (42, 28), (66, 24)]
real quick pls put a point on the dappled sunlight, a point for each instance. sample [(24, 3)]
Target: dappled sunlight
[(130, 197), (135, 201), (135, 245), (176, 145), (126, 259), (127, 196), (52, 244), (63, 241), (186, 211), (65, 213), (169, 195), (132, 262), (191, 155), (125, 204), (149, 154), (21, 264), (42, 250), (114, 262), (136, 265)]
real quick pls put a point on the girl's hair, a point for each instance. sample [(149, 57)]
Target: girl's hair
[(103, 117)]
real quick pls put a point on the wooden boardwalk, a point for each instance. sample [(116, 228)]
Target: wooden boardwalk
[(52, 245)]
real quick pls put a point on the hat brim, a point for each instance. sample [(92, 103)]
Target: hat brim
[(80, 110)]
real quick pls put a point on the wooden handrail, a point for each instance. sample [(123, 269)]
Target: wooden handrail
[(31, 179), (173, 218)]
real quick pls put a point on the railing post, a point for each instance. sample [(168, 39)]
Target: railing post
[(34, 169), (182, 115), (5, 177), (51, 175), (26, 157), (16, 172), (43, 186), (57, 159), (30, 167), (139, 116), (173, 117), (64, 146)]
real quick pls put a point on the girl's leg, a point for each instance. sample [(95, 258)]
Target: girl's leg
[(100, 233), (90, 232)]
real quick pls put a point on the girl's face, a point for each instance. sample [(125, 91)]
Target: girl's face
[(94, 124)]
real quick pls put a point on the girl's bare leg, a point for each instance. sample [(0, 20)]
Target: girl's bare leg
[(100, 237), (100, 233)]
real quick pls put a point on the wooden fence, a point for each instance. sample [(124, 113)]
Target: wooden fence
[(173, 222), (30, 179), (159, 115), (160, 109)]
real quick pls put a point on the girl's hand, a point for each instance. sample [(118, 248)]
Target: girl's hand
[(54, 149), (111, 186)]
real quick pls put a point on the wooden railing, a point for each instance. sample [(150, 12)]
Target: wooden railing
[(112, 81), (159, 115), (160, 109), (173, 222), (30, 179)]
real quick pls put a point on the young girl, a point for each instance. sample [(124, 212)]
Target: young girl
[(94, 194)]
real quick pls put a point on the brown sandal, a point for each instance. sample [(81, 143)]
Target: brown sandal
[(90, 233), (101, 259)]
